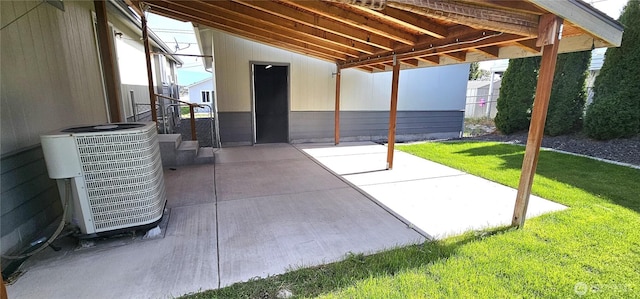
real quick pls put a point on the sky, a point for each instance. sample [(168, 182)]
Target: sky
[(192, 71), (171, 31)]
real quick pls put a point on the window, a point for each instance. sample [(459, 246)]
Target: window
[(206, 96)]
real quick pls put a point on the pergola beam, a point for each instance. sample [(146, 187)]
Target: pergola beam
[(268, 38), (411, 62), (296, 41), (350, 18), (281, 15), (491, 51), (519, 6), (529, 45), (407, 20), (549, 38), (469, 41), (471, 15), (457, 56), (246, 13), (430, 59)]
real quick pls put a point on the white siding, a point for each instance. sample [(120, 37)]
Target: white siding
[(132, 70), (195, 91), (440, 88), (312, 84), (50, 72)]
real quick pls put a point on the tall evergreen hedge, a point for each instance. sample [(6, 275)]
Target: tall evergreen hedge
[(568, 94), (615, 111), (516, 94)]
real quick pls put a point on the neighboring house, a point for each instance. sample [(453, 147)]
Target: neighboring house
[(52, 77), (480, 101), (131, 62), (202, 92), (430, 102)]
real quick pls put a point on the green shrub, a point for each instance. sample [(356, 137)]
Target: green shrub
[(568, 94), (516, 94), (184, 110), (615, 111)]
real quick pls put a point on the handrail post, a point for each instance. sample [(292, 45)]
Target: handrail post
[(193, 123)]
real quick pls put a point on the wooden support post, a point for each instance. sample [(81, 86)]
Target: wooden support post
[(147, 54), (337, 109), (193, 123), (539, 115), (105, 45), (393, 112)]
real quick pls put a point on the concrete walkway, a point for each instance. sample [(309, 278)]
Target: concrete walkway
[(435, 199), (259, 211)]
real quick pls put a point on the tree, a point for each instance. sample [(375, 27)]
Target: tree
[(568, 94), (615, 111), (474, 71), (516, 94)]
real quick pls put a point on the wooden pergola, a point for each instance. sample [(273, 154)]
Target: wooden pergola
[(383, 35)]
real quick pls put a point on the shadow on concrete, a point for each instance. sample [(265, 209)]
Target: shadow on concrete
[(314, 281)]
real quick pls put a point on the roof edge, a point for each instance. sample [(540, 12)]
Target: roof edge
[(205, 44), (586, 17), (135, 19)]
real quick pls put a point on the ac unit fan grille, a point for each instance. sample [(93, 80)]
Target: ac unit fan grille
[(123, 177)]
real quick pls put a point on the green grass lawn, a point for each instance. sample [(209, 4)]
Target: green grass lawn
[(590, 250)]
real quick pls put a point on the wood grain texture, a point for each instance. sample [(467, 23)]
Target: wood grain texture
[(536, 128), (393, 112)]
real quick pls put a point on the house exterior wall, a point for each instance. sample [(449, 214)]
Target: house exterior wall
[(50, 78), (196, 90), (132, 69), (131, 63), (50, 71), (364, 96)]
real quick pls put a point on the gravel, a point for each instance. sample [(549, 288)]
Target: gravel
[(620, 150)]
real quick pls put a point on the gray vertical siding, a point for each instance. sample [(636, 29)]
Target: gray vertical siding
[(235, 128), (313, 126), (374, 125), (30, 200)]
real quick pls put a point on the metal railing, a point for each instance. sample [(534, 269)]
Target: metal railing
[(168, 116)]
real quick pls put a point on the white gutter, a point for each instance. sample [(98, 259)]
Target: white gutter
[(205, 43), (586, 17)]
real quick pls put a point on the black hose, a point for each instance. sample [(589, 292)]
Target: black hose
[(53, 237)]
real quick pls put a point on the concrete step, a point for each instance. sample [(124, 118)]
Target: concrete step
[(168, 144), (177, 152), (205, 156), (187, 152)]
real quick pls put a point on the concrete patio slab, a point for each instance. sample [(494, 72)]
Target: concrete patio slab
[(275, 210), (262, 236), (436, 199), (183, 261), (252, 179), (448, 206), (261, 152), (189, 185)]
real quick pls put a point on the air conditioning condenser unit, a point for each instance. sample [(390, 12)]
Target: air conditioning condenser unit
[(115, 171)]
